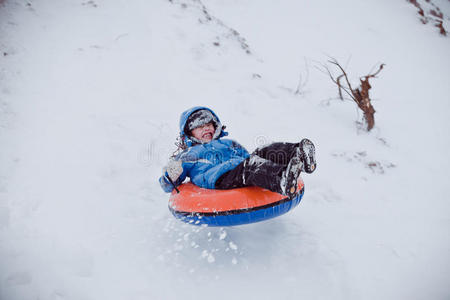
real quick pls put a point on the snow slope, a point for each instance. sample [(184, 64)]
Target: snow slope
[(90, 95)]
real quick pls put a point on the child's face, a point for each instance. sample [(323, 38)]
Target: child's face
[(204, 133)]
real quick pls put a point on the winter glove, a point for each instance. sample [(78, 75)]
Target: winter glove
[(174, 169)]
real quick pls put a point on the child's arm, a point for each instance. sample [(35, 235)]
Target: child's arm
[(239, 149), (166, 185), (177, 170)]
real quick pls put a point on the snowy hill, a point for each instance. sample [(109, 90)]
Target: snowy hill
[(90, 96)]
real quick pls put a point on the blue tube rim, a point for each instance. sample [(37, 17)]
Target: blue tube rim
[(239, 216)]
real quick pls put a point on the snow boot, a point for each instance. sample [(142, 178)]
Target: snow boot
[(290, 176), (307, 151)]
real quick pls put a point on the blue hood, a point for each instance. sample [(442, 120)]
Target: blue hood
[(184, 117)]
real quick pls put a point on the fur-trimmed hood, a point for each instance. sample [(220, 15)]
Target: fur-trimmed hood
[(190, 140)]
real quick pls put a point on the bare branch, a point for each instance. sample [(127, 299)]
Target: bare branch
[(334, 61), (337, 82), (302, 83), (340, 87), (359, 95), (376, 73)]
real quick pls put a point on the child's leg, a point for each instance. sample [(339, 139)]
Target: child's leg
[(254, 171), (279, 153), (275, 167), (282, 153)]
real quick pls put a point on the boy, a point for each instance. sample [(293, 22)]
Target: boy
[(215, 163)]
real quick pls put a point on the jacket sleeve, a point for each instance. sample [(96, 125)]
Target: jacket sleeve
[(239, 149), (165, 183)]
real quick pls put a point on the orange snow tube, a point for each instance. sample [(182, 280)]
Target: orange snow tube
[(238, 206)]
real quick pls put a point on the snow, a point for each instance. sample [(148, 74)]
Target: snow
[(90, 96)]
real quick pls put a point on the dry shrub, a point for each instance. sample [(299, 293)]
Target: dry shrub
[(359, 95)]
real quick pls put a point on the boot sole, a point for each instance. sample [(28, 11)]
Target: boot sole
[(308, 151), (292, 173)]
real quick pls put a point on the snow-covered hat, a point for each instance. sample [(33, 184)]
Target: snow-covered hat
[(200, 118)]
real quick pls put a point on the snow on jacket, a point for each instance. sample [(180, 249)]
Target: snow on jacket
[(205, 163)]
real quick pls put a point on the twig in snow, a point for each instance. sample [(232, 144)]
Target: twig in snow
[(359, 95)]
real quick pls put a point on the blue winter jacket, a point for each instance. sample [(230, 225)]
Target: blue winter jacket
[(205, 163)]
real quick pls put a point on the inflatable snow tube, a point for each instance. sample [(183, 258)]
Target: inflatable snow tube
[(198, 206)]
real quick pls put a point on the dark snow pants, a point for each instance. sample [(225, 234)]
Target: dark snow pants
[(264, 168)]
